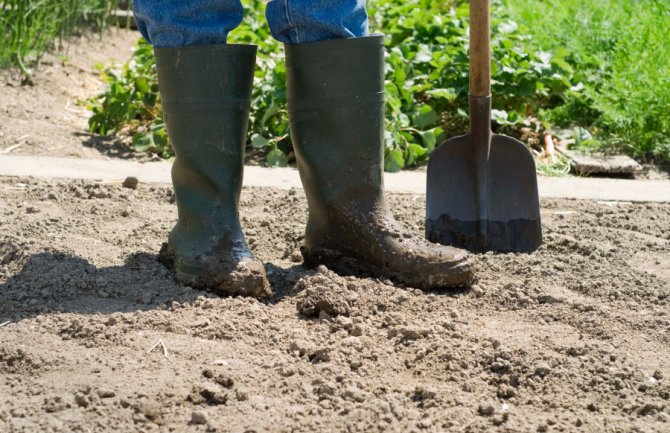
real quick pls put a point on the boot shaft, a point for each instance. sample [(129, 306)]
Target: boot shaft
[(204, 77), (206, 96), (336, 106)]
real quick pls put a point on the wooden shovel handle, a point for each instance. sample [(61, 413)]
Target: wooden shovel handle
[(480, 48)]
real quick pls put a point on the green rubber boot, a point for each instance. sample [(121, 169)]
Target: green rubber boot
[(336, 112), (206, 92)]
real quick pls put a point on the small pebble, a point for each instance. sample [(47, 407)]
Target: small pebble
[(106, 393), (426, 422), (199, 417)]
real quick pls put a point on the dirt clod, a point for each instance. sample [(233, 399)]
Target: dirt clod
[(486, 409), (542, 369), (131, 182), (323, 303)]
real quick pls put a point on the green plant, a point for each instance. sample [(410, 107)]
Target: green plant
[(427, 75), (556, 166), (426, 82), (29, 27), (131, 103)]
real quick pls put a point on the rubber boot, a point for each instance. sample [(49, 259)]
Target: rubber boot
[(206, 92), (336, 113)]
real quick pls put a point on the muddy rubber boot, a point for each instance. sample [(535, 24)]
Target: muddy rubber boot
[(336, 113), (206, 92)]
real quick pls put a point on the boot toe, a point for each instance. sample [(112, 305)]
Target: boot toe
[(225, 276), (452, 266), (247, 279)]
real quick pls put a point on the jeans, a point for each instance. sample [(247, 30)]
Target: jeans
[(175, 23)]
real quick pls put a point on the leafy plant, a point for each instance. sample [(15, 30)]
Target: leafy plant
[(556, 166), (426, 81), (427, 75), (131, 104), (536, 80)]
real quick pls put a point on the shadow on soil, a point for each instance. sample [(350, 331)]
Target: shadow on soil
[(106, 145), (59, 282)]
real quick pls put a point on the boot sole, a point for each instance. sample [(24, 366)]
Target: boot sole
[(459, 276)]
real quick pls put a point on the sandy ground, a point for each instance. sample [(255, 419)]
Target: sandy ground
[(44, 118), (575, 337)]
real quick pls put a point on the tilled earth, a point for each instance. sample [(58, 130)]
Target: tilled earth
[(575, 337)]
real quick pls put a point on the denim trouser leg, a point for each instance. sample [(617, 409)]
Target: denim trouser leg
[(301, 21), (175, 23)]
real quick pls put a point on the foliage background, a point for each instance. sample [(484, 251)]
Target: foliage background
[(596, 72), (619, 51)]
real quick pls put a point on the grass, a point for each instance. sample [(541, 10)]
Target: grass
[(33, 26), (620, 53)]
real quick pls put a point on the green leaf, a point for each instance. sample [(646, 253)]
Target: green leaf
[(526, 88), (271, 111), (425, 117), (415, 154), (508, 27), (142, 84), (448, 95), (258, 141), (142, 142), (276, 158), (160, 138), (394, 161), (429, 140), (424, 55)]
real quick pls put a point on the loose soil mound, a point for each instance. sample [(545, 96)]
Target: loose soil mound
[(573, 338)]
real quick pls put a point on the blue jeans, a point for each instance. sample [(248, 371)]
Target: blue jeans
[(176, 23)]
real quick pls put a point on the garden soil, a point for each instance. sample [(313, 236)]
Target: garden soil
[(95, 336), (45, 116)]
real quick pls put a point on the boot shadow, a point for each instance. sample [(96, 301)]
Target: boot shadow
[(60, 282)]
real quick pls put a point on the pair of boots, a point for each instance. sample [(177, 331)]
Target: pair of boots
[(336, 113)]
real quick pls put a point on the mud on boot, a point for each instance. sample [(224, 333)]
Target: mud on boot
[(218, 271), (363, 237), (336, 114)]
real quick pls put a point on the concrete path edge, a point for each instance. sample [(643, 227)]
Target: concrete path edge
[(414, 182)]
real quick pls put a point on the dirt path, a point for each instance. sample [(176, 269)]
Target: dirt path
[(44, 118), (573, 338)]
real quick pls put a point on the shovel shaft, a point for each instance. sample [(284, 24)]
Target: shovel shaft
[(480, 48)]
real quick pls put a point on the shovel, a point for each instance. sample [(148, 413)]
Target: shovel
[(482, 187)]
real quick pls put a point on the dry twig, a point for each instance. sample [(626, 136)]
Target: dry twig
[(159, 342)]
